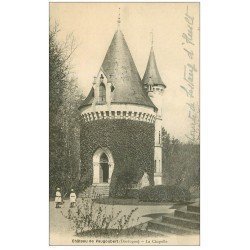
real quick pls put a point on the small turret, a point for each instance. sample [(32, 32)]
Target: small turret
[(155, 88), (152, 81)]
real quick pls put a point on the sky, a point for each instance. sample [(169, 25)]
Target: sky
[(176, 45)]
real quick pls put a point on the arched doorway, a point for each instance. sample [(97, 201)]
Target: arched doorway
[(103, 166)]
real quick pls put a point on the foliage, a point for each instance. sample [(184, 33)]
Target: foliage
[(125, 178), (64, 129), (154, 193), (89, 216), (119, 201), (132, 147), (181, 162), (132, 193), (162, 193)]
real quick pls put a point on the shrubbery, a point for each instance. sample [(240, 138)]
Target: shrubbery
[(122, 182), (88, 217), (119, 191), (132, 193), (161, 193)]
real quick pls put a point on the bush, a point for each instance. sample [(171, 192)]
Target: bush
[(89, 216), (154, 193), (132, 193), (180, 194), (120, 191), (161, 193), (122, 182)]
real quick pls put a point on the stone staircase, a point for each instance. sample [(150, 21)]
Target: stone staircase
[(183, 221), (96, 191)]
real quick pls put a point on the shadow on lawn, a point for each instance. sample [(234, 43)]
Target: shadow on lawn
[(137, 202)]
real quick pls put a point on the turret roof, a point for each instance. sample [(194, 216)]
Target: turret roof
[(152, 71), (119, 67)]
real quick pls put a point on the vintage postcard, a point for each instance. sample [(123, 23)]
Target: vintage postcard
[(124, 145)]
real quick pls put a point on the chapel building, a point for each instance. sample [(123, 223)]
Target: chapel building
[(121, 123)]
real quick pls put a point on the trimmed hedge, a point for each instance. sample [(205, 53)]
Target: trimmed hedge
[(162, 193), (132, 193), (131, 144)]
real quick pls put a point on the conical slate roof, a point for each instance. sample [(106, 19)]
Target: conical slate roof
[(152, 71), (120, 69)]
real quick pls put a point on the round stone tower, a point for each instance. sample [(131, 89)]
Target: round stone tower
[(118, 125)]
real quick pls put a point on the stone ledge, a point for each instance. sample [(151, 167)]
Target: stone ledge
[(118, 115)]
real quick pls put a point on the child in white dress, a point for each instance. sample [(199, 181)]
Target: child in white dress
[(72, 198), (58, 198)]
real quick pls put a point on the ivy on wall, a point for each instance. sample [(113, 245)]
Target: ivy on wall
[(131, 144)]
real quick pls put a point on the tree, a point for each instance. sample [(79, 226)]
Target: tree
[(181, 162), (64, 123)]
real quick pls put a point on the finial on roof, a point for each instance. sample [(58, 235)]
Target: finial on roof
[(152, 38), (119, 20)]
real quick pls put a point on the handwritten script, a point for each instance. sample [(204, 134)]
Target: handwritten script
[(190, 71)]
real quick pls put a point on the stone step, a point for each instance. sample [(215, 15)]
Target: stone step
[(100, 190), (95, 191), (187, 215), (193, 208), (191, 224), (169, 228)]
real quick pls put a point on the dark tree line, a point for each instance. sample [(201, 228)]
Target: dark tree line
[(64, 123), (181, 162)]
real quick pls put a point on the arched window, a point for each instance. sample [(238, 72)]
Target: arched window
[(102, 93), (159, 137)]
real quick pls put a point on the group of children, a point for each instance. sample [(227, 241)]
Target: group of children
[(58, 198)]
